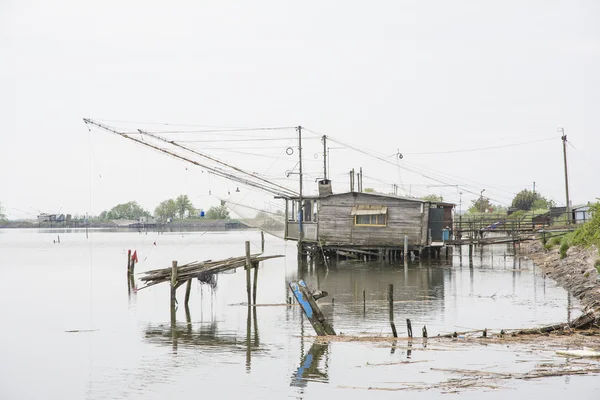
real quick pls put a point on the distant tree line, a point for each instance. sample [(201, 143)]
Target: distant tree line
[(179, 208), (525, 200)]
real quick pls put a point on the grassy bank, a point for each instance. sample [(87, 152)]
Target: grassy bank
[(587, 235)]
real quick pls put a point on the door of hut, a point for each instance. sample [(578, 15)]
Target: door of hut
[(436, 223)]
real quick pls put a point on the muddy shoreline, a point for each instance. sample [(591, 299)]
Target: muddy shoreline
[(575, 273)]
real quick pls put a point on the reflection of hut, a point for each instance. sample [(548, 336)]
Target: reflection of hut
[(367, 221)]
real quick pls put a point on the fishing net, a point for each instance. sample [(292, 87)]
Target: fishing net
[(269, 218)]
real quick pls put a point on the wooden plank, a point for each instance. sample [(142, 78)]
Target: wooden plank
[(313, 303), (311, 309), (300, 295)]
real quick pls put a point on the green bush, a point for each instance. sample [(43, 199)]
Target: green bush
[(589, 233), (555, 241), (564, 246)]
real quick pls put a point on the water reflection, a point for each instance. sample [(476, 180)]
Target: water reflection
[(206, 335), (310, 368)]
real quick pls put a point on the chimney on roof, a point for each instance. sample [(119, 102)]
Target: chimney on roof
[(325, 187)]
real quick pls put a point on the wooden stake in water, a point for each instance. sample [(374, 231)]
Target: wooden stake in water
[(409, 328), (188, 289), (128, 260), (173, 281), (364, 302), (391, 304), (248, 267), (173, 294), (255, 284), (262, 241)]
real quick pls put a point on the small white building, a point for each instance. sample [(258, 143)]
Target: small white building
[(581, 214)]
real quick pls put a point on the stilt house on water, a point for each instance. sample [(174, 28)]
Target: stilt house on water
[(371, 224)]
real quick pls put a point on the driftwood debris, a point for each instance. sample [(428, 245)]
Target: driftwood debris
[(195, 269)]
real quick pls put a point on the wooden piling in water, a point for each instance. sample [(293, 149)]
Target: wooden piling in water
[(188, 290), (409, 328), (424, 331), (405, 246), (173, 282), (128, 261), (248, 267), (470, 254), (364, 302), (262, 241), (391, 304), (255, 284)]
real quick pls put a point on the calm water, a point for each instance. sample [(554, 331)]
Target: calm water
[(126, 346)]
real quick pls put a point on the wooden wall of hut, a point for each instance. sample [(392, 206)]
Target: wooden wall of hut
[(404, 217)]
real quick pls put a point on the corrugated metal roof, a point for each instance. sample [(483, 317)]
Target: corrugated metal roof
[(368, 210)]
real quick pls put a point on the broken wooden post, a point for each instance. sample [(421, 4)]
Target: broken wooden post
[(262, 241), (391, 304), (409, 328), (173, 292), (173, 280), (311, 309), (128, 261), (248, 267), (254, 286), (188, 289), (424, 331)]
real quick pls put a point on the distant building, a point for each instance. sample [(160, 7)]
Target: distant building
[(46, 218)]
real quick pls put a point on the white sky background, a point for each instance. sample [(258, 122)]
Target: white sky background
[(420, 76)]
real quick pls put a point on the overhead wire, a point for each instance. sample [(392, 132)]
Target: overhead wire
[(479, 149), (581, 154)]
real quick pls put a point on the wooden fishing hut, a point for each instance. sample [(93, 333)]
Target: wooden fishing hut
[(374, 225)]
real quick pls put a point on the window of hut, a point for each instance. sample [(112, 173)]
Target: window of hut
[(367, 215)]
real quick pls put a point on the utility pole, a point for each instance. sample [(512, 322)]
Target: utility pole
[(564, 140), (324, 140), (300, 198)]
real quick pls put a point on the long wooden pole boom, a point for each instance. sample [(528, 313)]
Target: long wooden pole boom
[(213, 170), (254, 176)]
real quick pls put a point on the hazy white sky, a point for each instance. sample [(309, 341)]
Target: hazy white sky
[(418, 76)]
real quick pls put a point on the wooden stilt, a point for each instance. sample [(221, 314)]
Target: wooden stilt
[(409, 328), (248, 267), (173, 294), (262, 241), (255, 285), (128, 260), (188, 290), (173, 281)]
